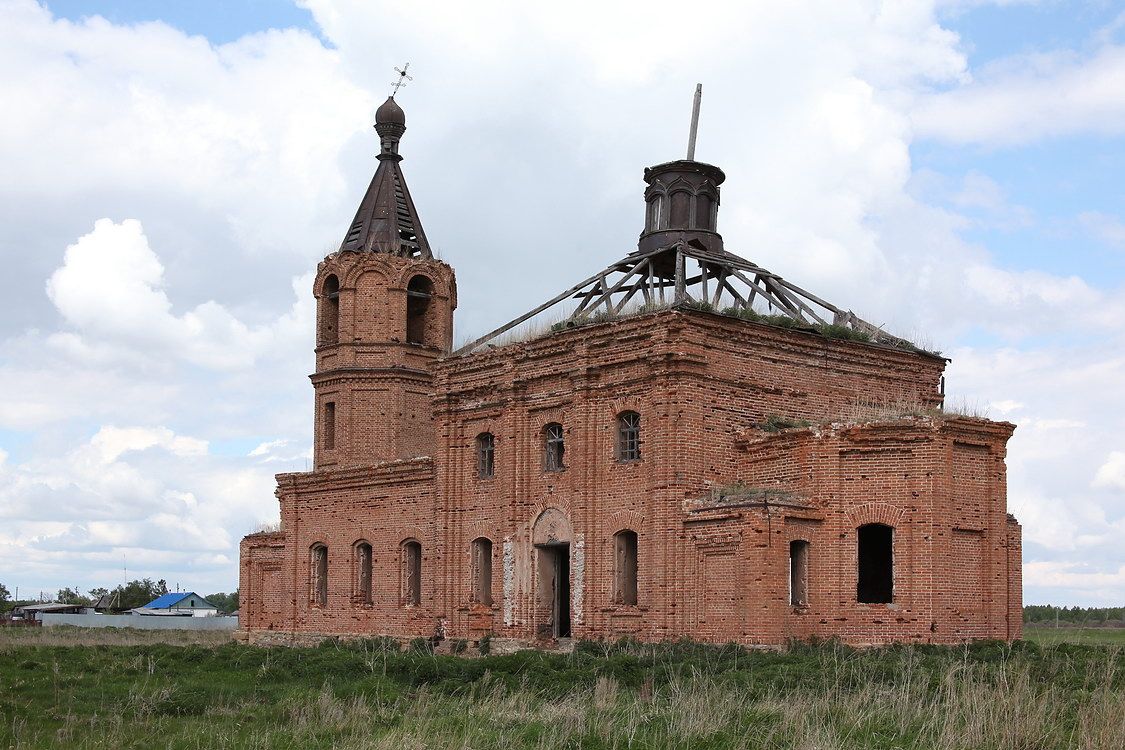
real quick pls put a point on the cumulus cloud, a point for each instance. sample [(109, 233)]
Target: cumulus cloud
[(158, 356), (1023, 99), (1111, 474), (110, 287)]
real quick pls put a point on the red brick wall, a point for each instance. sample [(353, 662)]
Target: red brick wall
[(707, 569), (381, 384)]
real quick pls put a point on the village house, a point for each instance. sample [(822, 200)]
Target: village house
[(183, 604), (699, 449)]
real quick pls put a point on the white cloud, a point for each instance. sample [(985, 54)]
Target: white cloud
[(250, 130), (1111, 474), (228, 170), (1006, 406), (1024, 99), (1108, 229), (264, 449), (110, 287), (1069, 579)]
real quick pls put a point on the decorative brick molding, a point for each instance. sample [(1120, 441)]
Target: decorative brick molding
[(888, 515)]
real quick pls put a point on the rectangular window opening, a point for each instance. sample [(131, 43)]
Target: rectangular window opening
[(482, 572), (625, 569), (798, 573), (329, 425)]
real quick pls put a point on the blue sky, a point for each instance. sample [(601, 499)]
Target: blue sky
[(219, 21), (176, 170)]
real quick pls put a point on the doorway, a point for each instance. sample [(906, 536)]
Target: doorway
[(554, 587)]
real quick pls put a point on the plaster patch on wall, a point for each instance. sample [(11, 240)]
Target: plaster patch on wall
[(578, 591), (509, 580)]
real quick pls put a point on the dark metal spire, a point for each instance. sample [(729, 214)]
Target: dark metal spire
[(387, 221)]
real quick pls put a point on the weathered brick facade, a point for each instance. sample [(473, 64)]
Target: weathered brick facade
[(434, 508)]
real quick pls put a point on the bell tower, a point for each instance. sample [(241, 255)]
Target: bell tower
[(384, 315)]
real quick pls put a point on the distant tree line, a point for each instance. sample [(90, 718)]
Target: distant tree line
[(126, 596), (1048, 614), (225, 602)]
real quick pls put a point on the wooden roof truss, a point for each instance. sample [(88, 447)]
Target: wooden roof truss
[(687, 275)]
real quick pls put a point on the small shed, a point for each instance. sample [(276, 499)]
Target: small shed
[(31, 612), (185, 604)]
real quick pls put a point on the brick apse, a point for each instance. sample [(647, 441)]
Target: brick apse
[(701, 450)]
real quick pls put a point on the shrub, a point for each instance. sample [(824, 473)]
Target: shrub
[(775, 423)]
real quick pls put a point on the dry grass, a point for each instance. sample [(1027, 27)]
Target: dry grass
[(990, 696), (874, 410), (12, 638)]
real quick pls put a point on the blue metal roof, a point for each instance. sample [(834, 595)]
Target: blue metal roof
[(171, 600)]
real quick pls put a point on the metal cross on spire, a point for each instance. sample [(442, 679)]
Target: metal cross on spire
[(402, 78)]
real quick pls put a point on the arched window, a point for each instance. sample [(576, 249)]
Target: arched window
[(411, 573), (703, 205), (486, 455), (480, 568), (656, 212), (363, 573), (318, 574), (554, 447), (328, 325), (625, 567), (681, 210), (628, 436), (876, 574), (419, 292), (798, 572)]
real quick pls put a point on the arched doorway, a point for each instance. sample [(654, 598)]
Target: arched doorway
[(552, 537)]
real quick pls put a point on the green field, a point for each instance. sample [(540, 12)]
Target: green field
[(1048, 636), (87, 689)]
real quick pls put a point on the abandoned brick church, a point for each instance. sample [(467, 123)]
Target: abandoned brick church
[(698, 449)]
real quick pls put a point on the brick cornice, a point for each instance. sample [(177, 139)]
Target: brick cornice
[(349, 374), (405, 471)]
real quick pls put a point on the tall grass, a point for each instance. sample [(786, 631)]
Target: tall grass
[(602, 696)]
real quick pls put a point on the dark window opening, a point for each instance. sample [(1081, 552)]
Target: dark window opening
[(419, 293), (554, 446), (798, 573), (328, 329), (481, 571), (329, 425), (319, 575), (486, 453), (363, 572), (876, 564), (412, 573), (629, 436), (625, 567)]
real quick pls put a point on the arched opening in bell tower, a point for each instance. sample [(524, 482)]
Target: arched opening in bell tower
[(328, 328), (419, 293)]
